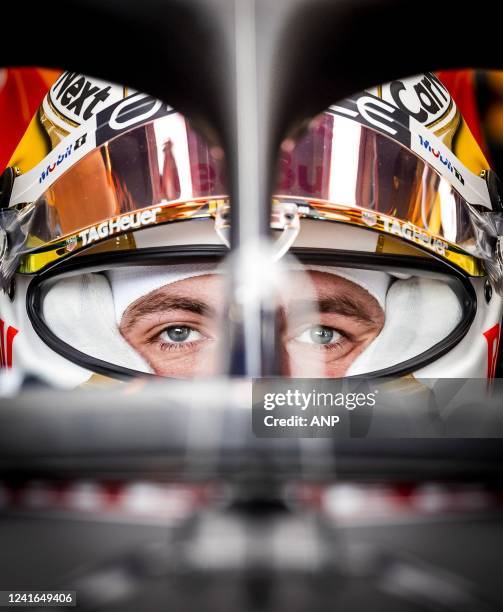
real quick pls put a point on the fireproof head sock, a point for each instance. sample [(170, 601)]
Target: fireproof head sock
[(420, 312), (80, 311), (130, 284)]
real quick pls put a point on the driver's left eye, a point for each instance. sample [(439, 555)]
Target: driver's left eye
[(319, 334)]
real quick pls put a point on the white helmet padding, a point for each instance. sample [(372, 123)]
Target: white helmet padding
[(130, 284), (80, 311), (420, 312)]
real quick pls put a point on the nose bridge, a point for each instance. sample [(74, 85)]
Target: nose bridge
[(286, 369)]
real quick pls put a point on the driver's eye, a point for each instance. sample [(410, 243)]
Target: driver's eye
[(179, 334), (319, 334)]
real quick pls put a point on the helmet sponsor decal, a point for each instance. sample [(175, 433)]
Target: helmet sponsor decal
[(375, 113), (28, 187), (61, 157), (7, 335), (410, 232), (71, 243), (473, 188), (424, 97), (442, 158), (369, 217), (75, 98), (117, 225), (400, 124), (128, 113), (492, 337), (112, 121)]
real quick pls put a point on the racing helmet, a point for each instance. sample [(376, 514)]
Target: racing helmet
[(114, 235)]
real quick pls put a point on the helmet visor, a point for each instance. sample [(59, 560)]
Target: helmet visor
[(347, 172), (159, 172), (339, 170)]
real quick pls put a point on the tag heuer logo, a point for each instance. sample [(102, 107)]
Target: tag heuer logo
[(71, 243), (369, 218)]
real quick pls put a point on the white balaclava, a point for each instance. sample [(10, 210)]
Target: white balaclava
[(130, 284), (420, 312)]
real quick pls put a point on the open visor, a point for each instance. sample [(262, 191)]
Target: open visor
[(336, 315)]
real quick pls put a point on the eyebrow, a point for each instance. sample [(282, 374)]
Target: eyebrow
[(161, 303), (339, 304)]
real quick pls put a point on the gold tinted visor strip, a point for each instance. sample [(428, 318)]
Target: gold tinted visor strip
[(308, 208), (63, 247), (312, 208)]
